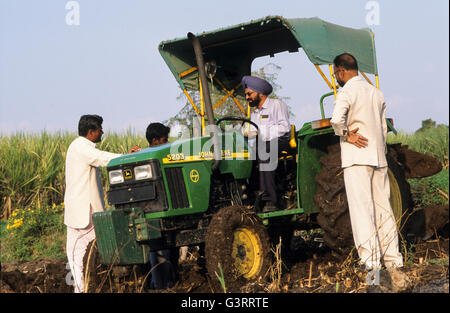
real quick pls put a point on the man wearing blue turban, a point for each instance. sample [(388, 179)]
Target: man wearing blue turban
[(272, 118)]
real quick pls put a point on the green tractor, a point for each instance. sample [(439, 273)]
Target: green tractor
[(201, 190)]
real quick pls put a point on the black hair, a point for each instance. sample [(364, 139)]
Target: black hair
[(347, 61), (88, 122), (156, 131)]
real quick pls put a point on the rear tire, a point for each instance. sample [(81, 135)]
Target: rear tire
[(334, 217)]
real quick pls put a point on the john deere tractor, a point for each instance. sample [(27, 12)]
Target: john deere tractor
[(201, 190)]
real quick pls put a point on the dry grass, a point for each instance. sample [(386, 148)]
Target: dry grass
[(276, 269)]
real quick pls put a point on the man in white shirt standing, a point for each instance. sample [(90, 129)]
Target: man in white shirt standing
[(359, 118), (272, 118), (84, 193)]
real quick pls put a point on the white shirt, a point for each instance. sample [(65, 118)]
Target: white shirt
[(272, 119), (83, 182), (361, 105)]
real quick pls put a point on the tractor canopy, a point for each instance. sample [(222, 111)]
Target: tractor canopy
[(229, 52)]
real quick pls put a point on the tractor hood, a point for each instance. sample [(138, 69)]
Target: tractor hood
[(189, 150), (144, 154), (160, 152)]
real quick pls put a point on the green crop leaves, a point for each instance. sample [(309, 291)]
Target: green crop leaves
[(431, 190), (34, 233), (32, 166)]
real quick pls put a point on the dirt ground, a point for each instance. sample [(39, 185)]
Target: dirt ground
[(309, 267)]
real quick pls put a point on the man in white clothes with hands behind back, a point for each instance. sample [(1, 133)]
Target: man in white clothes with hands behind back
[(84, 193), (359, 118)]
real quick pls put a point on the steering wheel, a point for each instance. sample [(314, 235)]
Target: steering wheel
[(244, 120), (232, 118)]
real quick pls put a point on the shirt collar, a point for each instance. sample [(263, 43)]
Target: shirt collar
[(264, 106), (84, 139), (353, 79)]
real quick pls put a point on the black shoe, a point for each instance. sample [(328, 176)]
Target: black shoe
[(269, 207), (282, 204), (258, 200)]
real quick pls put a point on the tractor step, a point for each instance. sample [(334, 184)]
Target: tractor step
[(280, 213)]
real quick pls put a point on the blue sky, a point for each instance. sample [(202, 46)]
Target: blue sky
[(51, 73)]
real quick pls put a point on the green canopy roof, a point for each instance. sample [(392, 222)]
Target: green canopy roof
[(234, 48)]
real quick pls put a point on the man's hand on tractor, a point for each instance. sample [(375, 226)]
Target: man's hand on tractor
[(134, 149), (252, 134), (356, 139)]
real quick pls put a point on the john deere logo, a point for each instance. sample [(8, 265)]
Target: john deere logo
[(127, 174), (194, 176)]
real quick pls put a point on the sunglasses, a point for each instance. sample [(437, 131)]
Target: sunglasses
[(248, 94), (334, 75)]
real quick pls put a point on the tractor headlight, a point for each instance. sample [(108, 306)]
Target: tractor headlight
[(143, 172), (115, 176)]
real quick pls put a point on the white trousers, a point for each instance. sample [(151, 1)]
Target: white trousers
[(77, 242), (373, 222)]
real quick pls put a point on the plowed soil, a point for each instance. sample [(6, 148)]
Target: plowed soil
[(309, 267)]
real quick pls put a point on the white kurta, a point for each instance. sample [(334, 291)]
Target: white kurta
[(83, 181), (360, 105)]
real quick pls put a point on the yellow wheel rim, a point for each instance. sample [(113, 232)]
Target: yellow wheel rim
[(247, 252), (396, 198)]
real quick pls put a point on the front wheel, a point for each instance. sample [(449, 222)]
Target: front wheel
[(237, 248), (91, 267)]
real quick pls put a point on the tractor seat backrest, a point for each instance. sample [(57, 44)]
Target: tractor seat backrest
[(292, 144), (293, 138)]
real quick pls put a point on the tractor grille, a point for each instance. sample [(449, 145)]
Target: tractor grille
[(177, 187)]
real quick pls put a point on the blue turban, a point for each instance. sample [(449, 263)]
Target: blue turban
[(256, 84)]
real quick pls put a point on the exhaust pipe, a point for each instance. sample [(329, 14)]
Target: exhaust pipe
[(207, 98)]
